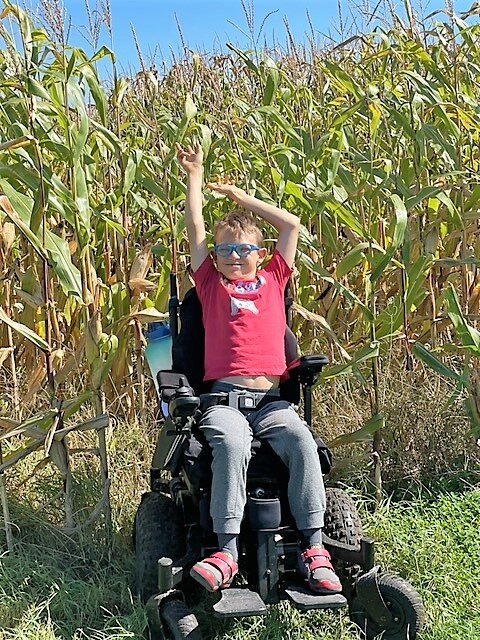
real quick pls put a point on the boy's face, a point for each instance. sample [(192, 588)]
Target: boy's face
[(235, 267)]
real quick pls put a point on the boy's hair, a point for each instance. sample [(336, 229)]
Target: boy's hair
[(239, 221)]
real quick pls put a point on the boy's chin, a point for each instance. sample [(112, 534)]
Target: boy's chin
[(233, 271)]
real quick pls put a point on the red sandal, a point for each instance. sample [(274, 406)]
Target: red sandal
[(314, 563), (215, 572)]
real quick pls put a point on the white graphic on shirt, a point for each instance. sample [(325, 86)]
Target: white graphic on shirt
[(236, 305)]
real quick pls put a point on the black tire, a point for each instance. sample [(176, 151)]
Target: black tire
[(178, 621), (342, 523), (159, 532), (403, 602)]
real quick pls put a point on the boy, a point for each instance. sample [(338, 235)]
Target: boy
[(244, 320)]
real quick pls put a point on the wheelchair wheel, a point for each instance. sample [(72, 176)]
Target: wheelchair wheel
[(179, 621), (159, 532), (342, 523), (404, 604)]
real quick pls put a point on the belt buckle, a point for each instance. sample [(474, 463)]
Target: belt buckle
[(247, 401)]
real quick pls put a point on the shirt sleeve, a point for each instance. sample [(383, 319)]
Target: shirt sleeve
[(203, 276), (279, 269)]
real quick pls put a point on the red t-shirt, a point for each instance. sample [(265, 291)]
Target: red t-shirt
[(244, 320)]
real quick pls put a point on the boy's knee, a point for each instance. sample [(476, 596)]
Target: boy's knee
[(298, 433)]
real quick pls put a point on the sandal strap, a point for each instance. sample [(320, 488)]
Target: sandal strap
[(316, 558), (224, 563), (314, 552), (320, 563)]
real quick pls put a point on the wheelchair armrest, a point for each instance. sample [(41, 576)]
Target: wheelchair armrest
[(177, 394), (307, 368), (168, 381)]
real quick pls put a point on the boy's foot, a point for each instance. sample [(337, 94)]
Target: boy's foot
[(314, 563), (215, 572)]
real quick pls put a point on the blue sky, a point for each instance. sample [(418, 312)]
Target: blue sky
[(206, 25)]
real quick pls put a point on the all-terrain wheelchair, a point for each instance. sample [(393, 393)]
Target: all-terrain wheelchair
[(173, 527)]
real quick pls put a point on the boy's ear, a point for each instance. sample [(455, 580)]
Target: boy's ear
[(262, 252)]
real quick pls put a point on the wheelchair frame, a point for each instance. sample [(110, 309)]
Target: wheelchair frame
[(274, 553)]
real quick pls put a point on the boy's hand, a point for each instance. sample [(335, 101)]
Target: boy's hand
[(190, 159), (230, 190)]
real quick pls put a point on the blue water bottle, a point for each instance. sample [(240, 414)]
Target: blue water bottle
[(158, 351)]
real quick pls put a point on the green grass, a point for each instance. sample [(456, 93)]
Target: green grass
[(55, 588)]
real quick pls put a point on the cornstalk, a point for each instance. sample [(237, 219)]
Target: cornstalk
[(139, 365), (5, 508), (17, 409), (30, 100), (374, 392), (87, 292)]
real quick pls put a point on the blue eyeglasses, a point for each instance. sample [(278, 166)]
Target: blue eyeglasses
[(242, 250)]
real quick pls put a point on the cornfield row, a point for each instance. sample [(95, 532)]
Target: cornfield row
[(374, 144)]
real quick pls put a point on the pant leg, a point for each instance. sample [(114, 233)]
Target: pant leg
[(230, 436), (292, 440)]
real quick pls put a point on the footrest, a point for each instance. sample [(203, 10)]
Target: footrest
[(304, 599), (237, 603)]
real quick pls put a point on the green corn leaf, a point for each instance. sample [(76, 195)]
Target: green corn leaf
[(153, 187), (25, 331), (17, 143), (416, 282), (342, 80), (426, 356), (130, 171), (351, 259), (346, 114), (101, 366), (344, 215), (423, 194), (271, 86), (103, 52), (243, 55), (76, 95), (325, 275), (469, 336), (473, 417), (55, 251), (452, 209), (282, 123), (18, 208), (398, 237), (98, 94), (67, 273), (81, 196), (365, 434), (452, 262), (363, 354), (80, 138)]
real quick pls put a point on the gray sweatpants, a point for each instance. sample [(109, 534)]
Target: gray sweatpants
[(229, 433)]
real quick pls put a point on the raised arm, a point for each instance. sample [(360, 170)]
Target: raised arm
[(284, 222), (191, 160)]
